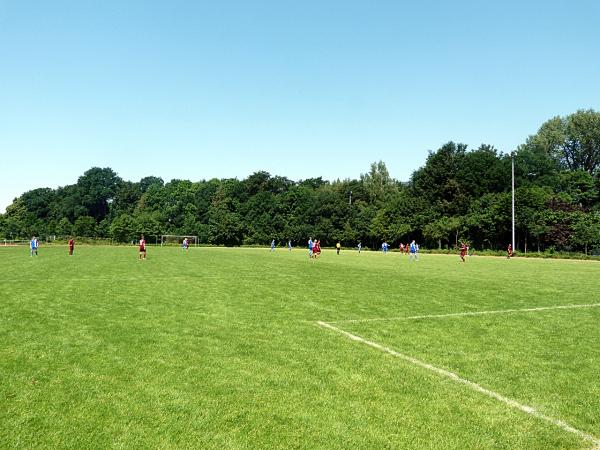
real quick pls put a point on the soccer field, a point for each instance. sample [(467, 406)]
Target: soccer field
[(244, 348)]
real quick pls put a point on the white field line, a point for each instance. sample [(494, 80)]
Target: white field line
[(476, 387), (471, 313)]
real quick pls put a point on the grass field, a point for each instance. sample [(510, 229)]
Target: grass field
[(222, 348)]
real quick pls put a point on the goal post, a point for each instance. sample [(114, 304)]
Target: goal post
[(177, 239)]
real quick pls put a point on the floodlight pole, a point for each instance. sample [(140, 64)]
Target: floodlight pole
[(350, 200), (512, 159)]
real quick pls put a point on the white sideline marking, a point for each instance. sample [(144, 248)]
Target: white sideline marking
[(473, 313), (476, 387)]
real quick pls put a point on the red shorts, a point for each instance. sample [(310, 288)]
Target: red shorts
[(142, 249)]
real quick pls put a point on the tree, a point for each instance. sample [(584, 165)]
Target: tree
[(444, 229), (439, 183), (483, 171), (560, 217), (64, 227), (147, 224), (146, 182), (378, 183), (573, 141), (85, 226), (579, 186), (39, 202), (586, 230), (224, 224), (123, 228), (97, 188), (488, 221), (126, 198), (532, 212), (18, 223)]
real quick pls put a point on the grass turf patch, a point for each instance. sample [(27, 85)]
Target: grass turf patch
[(219, 348)]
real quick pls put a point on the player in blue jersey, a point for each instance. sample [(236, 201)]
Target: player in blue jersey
[(310, 247), (33, 246), (290, 245), (273, 245), (414, 251)]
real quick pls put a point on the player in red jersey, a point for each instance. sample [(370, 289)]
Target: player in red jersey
[(71, 246), (316, 248), (463, 251), (509, 251), (142, 248), (401, 248)]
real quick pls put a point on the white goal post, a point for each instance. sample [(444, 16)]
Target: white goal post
[(177, 239)]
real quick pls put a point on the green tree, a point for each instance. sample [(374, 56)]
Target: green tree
[(439, 181), (18, 223), (444, 229), (488, 221), (146, 182), (531, 213), (224, 224), (586, 230), (85, 226), (148, 224), (579, 186), (64, 227), (97, 188), (573, 141), (378, 184), (124, 228)]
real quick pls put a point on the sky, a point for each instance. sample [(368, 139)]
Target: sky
[(203, 89)]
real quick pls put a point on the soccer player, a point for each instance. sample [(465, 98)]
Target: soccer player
[(338, 247), (290, 245), (414, 251), (463, 251), (359, 246), (71, 246), (310, 247), (186, 244), (315, 249), (143, 248), (401, 248), (509, 251), (33, 246), (273, 245)]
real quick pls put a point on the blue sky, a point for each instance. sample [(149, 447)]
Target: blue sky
[(197, 89)]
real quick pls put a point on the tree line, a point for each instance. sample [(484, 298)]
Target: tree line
[(458, 195)]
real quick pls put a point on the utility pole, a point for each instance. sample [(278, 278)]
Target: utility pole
[(512, 159), (350, 200)]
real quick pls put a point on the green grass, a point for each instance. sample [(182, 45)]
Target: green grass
[(219, 348)]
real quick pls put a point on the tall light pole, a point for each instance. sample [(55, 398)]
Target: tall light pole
[(350, 199), (512, 160)]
